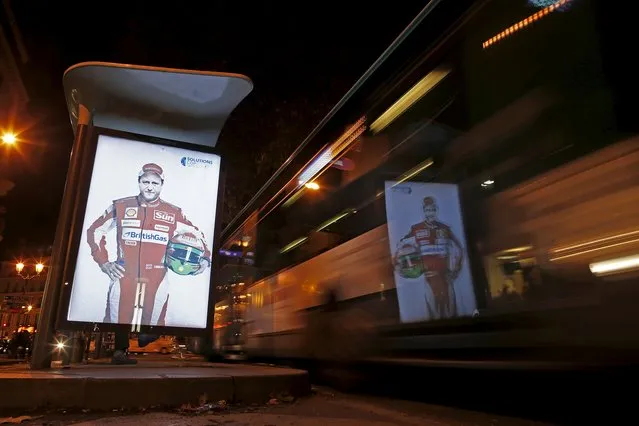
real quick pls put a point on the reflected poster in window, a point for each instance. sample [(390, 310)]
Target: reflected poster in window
[(428, 249)]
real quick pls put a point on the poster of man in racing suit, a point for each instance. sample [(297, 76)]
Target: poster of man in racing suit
[(440, 257), (144, 224), (428, 252)]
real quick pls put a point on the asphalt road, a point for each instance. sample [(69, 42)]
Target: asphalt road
[(576, 397)]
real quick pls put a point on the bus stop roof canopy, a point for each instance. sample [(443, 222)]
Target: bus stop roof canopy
[(182, 105)]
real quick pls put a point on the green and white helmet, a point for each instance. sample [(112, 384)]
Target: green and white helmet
[(183, 253), (409, 261)]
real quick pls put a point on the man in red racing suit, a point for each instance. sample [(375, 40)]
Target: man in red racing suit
[(138, 291), (441, 256)]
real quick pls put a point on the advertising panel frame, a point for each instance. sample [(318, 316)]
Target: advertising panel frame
[(77, 237), (433, 239)]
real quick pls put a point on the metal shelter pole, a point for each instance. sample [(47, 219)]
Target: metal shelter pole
[(43, 344)]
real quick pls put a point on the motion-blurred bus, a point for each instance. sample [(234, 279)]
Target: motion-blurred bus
[(474, 196), (229, 342)]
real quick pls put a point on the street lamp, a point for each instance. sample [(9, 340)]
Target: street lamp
[(20, 270), (38, 268), (23, 272), (9, 138)]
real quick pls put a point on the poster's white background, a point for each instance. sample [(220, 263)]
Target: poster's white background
[(115, 175), (403, 209)]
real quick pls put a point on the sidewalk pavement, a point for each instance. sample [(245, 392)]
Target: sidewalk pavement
[(101, 386)]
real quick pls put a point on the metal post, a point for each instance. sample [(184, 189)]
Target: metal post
[(43, 344), (98, 346)]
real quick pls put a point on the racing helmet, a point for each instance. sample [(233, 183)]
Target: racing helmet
[(183, 253), (409, 262)]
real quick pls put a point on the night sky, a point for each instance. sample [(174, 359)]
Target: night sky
[(301, 56)]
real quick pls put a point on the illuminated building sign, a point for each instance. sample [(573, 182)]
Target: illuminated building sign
[(230, 253), (556, 6), (546, 3)]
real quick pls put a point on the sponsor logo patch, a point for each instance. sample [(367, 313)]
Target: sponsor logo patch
[(145, 236), (434, 250), (159, 227), (131, 212), (131, 222), (164, 216), (189, 239)]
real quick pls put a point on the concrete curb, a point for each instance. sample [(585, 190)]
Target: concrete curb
[(12, 362), (48, 391)]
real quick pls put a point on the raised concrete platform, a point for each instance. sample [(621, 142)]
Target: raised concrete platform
[(154, 383)]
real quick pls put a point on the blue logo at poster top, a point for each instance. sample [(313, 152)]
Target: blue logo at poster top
[(196, 162), (403, 189)]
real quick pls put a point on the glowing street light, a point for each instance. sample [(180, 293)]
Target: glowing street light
[(38, 268), (312, 185), (9, 138)]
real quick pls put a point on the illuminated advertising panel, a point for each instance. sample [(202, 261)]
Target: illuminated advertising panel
[(144, 256), (428, 249)]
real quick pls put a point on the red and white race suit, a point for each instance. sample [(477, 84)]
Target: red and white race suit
[(441, 255), (143, 231)]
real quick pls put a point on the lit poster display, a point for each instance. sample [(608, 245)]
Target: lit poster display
[(428, 249), (148, 227)]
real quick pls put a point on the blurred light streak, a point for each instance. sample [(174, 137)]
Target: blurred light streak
[(618, 265)]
